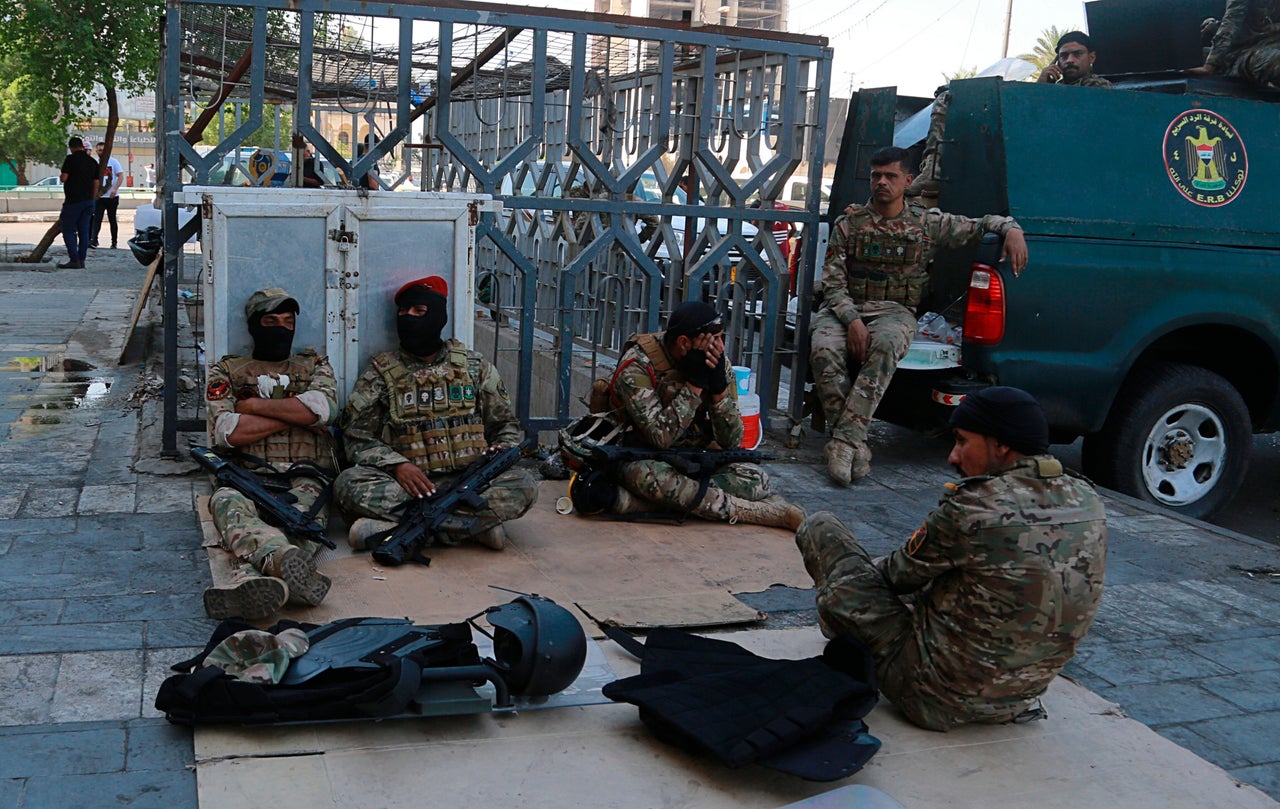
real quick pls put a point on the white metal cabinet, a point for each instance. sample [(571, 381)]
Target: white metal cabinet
[(341, 255)]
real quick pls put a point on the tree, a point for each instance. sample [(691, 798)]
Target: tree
[(31, 129), (65, 46), (1046, 48), (962, 73)]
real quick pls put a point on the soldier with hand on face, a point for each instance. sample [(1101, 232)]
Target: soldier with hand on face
[(674, 391), (420, 415), (1005, 575), (275, 406)]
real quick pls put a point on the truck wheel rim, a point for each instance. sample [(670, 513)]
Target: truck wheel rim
[(1184, 455)]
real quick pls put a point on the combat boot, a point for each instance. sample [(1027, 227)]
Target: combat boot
[(494, 537), (306, 586), (774, 512), (250, 596), (847, 462), (363, 528)]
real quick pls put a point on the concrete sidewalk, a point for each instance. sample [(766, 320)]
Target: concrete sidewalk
[(101, 572)]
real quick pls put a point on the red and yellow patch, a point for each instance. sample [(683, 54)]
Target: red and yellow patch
[(218, 389), (917, 540)]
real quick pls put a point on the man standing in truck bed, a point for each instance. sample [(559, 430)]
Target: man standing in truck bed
[(872, 281)]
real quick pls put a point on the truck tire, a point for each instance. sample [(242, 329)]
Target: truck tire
[(1178, 436)]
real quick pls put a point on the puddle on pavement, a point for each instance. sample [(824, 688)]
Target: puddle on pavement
[(70, 392), (65, 385)]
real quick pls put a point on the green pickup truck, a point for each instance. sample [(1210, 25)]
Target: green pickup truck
[(1148, 320)]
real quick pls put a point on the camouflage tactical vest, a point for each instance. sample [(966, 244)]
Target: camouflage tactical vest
[(885, 260), (297, 443), (432, 411)]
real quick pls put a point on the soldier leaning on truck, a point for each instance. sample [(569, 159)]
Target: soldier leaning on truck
[(1072, 67), (1246, 42), (276, 406), (872, 281)]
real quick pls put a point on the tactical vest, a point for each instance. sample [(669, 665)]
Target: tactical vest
[(886, 265), (296, 443), (432, 411), (667, 382)]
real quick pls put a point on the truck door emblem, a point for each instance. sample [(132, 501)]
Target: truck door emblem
[(1205, 158)]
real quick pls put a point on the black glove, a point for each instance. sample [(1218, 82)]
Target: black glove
[(694, 367), (718, 377)]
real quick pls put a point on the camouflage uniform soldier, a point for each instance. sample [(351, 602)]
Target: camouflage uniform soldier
[(872, 281), (1005, 575), (1072, 67), (422, 414), (1246, 42), (675, 391), (275, 406)]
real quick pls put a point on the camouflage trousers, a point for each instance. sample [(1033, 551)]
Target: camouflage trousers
[(850, 403), (667, 489), (854, 598), (366, 491), (251, 539), (930, 164), (1259, 63)]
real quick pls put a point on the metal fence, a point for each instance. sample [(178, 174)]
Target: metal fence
[(628, 156)]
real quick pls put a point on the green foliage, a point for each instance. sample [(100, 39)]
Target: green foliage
[(31, 129), (1045, 50), (962, 73), (265, 135), (67, 45)]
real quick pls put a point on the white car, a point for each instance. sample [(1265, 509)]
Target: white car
[(47, 184)]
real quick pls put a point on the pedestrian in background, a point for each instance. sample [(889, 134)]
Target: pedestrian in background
[(109, 202), (79, 187)]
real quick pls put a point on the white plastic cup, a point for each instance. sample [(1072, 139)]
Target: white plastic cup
[(742, 374)]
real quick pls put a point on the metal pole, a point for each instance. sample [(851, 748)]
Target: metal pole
[(1008, 18)]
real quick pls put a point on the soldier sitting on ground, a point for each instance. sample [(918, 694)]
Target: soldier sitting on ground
[(1006, 575), (275, 406), (420, 415), (674, 390), (872, 282)]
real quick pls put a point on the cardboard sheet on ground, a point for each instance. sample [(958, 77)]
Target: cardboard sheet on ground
[(569, 559), (1086, 754)]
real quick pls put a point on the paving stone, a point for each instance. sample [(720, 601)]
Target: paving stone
[(779, 599), (1168, 703), (57, 751), (1265, 777), (1253, 737), (43, 501), (159, 496), (1257, 691), (156, 671), (157, 745), (1243, 655), (136, 606), (24, 640), (26, 688), (137, 790), (35, 611), (107, 499), (11, 500), (40, 526), (33, 566), (96, 686), (1208, 749), (11, 792), (1148, 662)]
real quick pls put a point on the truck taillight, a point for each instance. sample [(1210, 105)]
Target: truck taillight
[(984, 314)]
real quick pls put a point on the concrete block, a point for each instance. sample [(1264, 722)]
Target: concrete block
[(98, 686), (56, 751), (26, 688), (112, 498)]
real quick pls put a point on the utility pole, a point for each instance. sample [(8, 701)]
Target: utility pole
[(1008, 18)]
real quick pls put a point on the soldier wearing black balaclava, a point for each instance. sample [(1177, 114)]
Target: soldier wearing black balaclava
[(420, 415), (275, 406)]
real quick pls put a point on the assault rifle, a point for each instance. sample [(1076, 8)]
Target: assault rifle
[(276, 507), (421, 518), (696, 463)]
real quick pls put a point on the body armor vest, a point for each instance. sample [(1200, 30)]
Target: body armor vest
[(667, 383), (886, 265), (295, 444), (432, 411)]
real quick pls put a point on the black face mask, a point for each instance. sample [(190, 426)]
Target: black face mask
[(420, 336), (270, 343)]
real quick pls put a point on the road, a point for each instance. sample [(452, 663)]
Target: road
[(1255, 511)]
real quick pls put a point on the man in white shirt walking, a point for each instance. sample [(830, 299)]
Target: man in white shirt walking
[(112, 176)]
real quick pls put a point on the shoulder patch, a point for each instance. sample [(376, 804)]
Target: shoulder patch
[(218, 389), (917, 539)]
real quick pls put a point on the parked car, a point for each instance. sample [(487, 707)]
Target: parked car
[(47, 184)]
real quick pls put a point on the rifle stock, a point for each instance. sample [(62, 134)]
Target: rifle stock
[(422, 518), (272, 507), (692, 462)]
